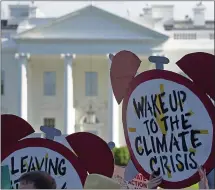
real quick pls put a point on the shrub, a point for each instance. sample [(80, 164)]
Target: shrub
[(121, 156)]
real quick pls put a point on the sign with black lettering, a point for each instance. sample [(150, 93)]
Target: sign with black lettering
[(59, 162), (69, 167), (169, 127), (168, 120)]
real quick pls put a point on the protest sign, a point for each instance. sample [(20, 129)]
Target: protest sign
[(118, 176), (168, 128), (68, 168), (59, 162), (5, 177), (168, 122), (139, 182)]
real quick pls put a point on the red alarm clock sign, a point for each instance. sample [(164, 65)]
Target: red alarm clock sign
[(68, 169), (59, 161), (169, 127)]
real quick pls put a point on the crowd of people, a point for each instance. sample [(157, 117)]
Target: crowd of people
[(42, 180)]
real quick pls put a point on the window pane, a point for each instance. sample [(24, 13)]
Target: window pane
[(91, 83), (49, 83), (49, 122), (2, 81)]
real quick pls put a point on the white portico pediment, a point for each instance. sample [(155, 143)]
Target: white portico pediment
[(92, 23)]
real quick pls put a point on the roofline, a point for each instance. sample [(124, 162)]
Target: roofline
[(19, 5), (160, 5), (181, 20), (99, 9), (192, 29), (58, 19), (84, 39), (132, 22)]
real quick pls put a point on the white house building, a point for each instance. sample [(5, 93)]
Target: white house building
[(55, 71)]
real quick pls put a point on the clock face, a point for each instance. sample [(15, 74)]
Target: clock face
[(50, 157), (169, 127)]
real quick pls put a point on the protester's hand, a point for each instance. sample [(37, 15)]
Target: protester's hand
[(154, 181), (203, 184)]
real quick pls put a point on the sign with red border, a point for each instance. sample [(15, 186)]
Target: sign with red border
[(45, 155), (169, 127), (68, 168)]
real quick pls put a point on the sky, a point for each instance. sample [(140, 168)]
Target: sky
[(59, 8)]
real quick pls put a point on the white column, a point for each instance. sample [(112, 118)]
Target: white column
[(23, 86), (113, 112), (69, 111)]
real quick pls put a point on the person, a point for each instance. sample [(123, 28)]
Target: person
[(155, 181), (203, 183), (37, 180)]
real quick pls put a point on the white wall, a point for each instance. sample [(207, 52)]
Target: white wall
[(97, 64), (41, 106)]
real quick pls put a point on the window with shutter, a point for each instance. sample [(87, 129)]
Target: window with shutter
[(49, 122)]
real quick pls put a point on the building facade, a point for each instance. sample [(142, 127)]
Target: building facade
[(55, 71)]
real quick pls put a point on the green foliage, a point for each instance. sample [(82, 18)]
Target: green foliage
[(121, 156)]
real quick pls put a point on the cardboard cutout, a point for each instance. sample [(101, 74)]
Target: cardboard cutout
[(111, 145), (211, 179), (137, 182), (118, 176), (130, 171), (93, 152), (11, 135), (5, 177), (120, 80), (68, 169), (50, 132), (168, 119)]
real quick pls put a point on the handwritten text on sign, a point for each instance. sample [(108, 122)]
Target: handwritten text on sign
[(42, 159), (169, 129), (139, 182)]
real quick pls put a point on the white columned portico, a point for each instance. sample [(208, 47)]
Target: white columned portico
[(69, 111), (113, 110), (23, 84)]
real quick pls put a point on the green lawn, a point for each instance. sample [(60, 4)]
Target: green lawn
[(196, 186)]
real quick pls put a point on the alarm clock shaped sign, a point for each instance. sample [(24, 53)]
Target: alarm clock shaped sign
[(67, 168), (168, 120)]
